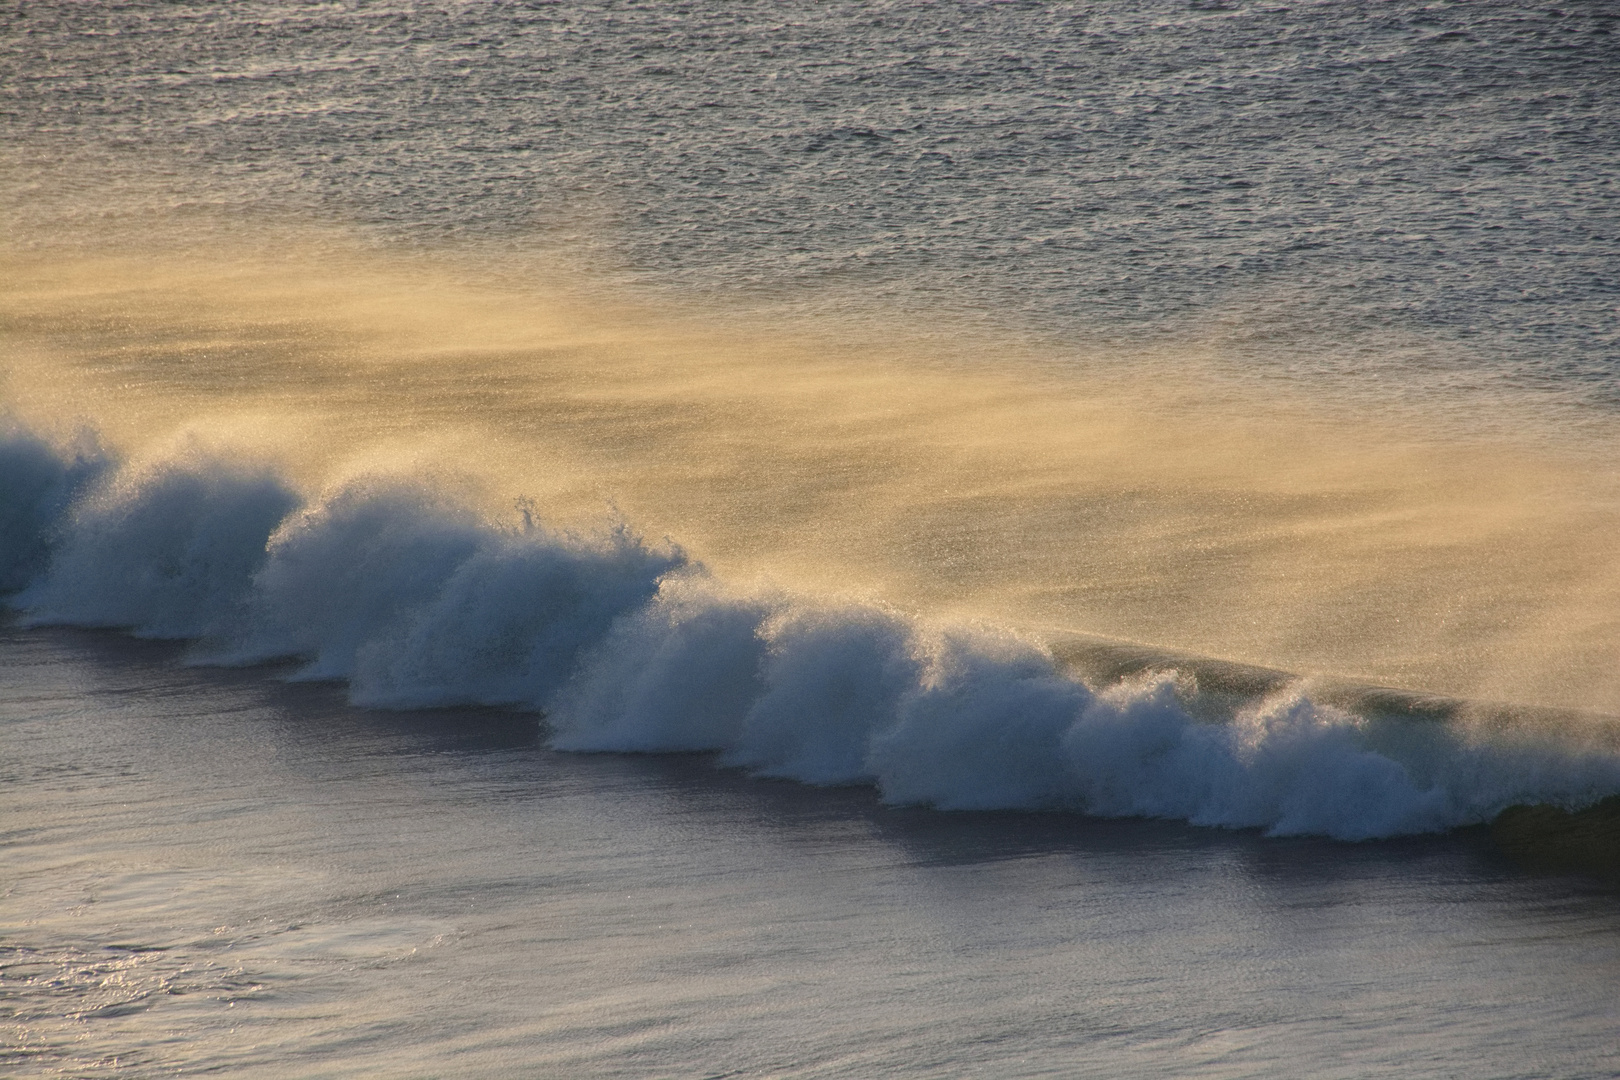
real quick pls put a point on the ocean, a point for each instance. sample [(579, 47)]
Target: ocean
[(866, 539)]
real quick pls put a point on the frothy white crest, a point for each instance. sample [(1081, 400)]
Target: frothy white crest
[(38, 485), (417, 601), (832, 677), (1286, 765), (508, 625), (679, 674), (352, 569), (167, 552), (981, 729)]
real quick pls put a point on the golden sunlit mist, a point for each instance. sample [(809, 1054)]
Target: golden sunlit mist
[(1045, 487)]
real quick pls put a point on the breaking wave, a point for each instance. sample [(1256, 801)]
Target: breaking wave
[(415, 600)]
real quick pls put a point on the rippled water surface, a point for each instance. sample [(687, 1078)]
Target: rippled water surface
[(208, 872), (1351, 184)]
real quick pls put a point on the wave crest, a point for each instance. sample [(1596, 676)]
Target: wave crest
[(415, 600)]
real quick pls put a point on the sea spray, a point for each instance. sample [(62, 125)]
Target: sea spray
[(351, 568), (678, 674), (506, 628), (39, 483), (832, 676), (414, 599), (168, 552)]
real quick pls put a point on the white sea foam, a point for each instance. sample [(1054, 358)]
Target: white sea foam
[(832, 676), (38, 484), (507, 626), (678, 674), (351, 569), (416, 601), (981, 729), (167, 552)]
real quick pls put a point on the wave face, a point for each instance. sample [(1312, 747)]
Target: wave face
[(415, 600)]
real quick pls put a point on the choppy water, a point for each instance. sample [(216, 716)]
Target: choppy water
[(1198, 412)]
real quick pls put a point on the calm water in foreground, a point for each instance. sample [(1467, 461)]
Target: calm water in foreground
[(210, 871)]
